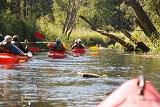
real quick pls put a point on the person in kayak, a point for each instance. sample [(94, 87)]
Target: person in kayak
[(5, 44), (57, 46), (78, 44), (7, 47), (16, 42)]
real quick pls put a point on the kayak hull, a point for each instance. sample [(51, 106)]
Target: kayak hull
[(7, 58), (78, 51), (56, 55)]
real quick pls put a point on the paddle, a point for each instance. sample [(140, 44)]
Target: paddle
[(37, 42), (17, 50), (39, 36)]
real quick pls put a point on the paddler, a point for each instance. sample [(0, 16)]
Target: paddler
[(78, 44), (57, 46), (7, 47), (16, 42)]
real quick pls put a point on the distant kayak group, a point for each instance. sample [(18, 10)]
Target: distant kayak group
[(57, 49), (12, 51)]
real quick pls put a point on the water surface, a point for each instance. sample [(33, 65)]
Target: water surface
[(46, 82)]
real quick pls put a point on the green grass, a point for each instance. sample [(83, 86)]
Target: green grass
[(91, 38)]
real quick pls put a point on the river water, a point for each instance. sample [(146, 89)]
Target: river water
[(46, 82)]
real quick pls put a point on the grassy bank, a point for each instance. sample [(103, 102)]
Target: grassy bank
[(91, 38)]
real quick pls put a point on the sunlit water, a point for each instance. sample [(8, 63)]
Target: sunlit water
[(46, 82)]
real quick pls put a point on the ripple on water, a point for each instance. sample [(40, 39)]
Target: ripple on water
[(46, 81)]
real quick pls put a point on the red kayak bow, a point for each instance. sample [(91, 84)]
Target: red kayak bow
[(78, 50), (56, 54), (7, 58), (133, 93)]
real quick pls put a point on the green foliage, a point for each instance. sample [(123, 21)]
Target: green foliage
[(50, 30), (153, 9), (40, 7), (48, 16), (24, 28), (88, 37)]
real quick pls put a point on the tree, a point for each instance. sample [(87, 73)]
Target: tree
[(70, 20), (127, 46), (143, 19)]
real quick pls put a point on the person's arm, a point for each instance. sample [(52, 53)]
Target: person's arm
[(73, 46), (22, 48), (26, 45), (51, 46), (82, 46)]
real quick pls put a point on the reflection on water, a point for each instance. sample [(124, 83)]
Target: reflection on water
[(45, 82)]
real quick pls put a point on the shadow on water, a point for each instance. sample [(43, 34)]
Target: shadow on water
[(46, 82)]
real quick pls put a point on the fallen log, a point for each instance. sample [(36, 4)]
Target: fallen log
[(127, 46), (91, 75), (140, 46)]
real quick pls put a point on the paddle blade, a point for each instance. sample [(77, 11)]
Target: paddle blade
[(39, 36), (34, 49)]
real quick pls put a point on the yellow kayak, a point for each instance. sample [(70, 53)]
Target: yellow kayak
[(93, 48)]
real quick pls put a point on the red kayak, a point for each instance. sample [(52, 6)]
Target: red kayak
[(133, 93), (78, 51), (7, 58), (56, 54)]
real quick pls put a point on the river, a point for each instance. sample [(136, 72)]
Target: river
[(46, 82)]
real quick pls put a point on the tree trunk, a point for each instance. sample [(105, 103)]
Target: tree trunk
[(18, 9), (25, 12), (140, 46), (31, 4), (65, 24), (128, 46), (143, 19), (142, 27), (128, 35), (70, 19)]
